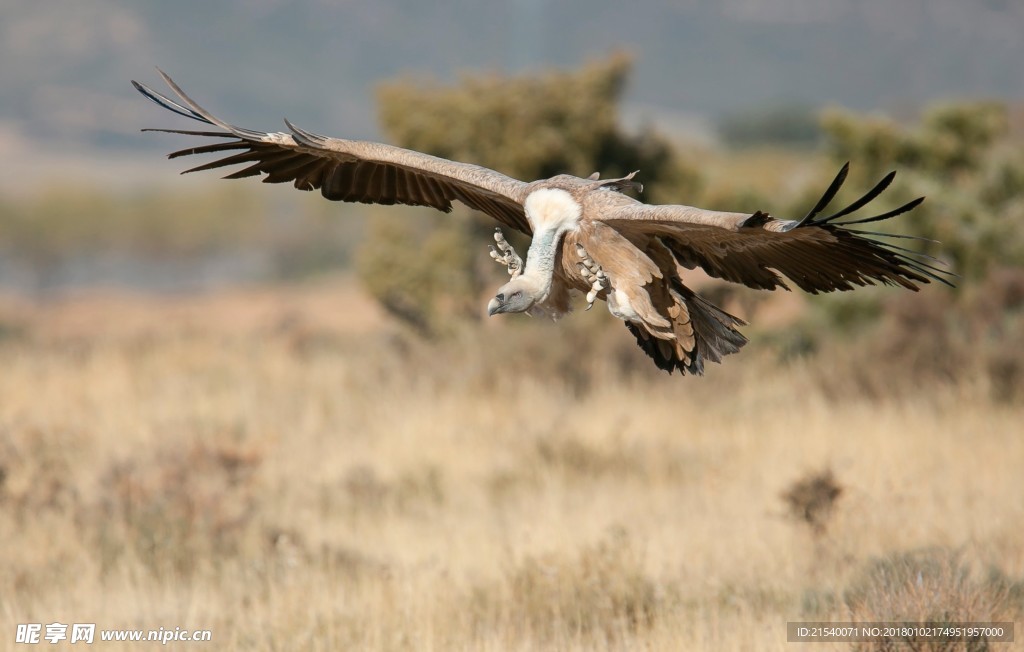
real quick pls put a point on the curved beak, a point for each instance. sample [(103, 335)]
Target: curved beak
[(494, 307)]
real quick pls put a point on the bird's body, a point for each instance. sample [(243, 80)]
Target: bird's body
[(588, 236)]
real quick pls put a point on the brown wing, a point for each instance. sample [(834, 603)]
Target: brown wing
[(349, 170), (819, 254)]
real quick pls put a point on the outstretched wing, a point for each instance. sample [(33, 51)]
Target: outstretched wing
[(819, 254), (348, 170)]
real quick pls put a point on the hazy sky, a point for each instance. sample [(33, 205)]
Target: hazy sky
[(65, 64)]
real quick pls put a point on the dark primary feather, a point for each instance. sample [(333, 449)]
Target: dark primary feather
[(863, 201), (911, 205), (171, 105), (818, 254), (830, 193), (350, 171)]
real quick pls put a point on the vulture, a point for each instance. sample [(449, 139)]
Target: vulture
[(587, 235)]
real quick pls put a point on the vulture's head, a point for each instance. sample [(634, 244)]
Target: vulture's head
[(518, 295)]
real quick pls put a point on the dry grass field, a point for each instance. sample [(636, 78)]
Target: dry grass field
[(288, 470)]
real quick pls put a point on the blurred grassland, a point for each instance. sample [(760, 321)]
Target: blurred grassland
[(50, 236), (258, 463)]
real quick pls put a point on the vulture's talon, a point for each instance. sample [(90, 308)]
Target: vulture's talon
[(593, 274), (508, 255)]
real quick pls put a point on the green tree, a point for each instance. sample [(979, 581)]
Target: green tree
[(961, 158)]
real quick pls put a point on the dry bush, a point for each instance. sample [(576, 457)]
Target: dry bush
[(935, 338), (1000, 302), (35, 472), (175, 508), (933, 586), (812, 499), (38, 496)]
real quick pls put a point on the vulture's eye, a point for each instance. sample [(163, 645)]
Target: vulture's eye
[(517, 294)]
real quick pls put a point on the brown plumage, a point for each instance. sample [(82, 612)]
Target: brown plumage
[(588, 235)]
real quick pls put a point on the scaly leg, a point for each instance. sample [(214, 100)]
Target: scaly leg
[(508, 255), (593, 274)]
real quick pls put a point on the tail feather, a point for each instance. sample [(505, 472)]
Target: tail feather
[(715, 329), (714, 335)]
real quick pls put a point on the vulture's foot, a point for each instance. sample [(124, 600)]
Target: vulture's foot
[(508, 255), (593, 274)]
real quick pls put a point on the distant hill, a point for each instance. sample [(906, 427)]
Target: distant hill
[(65, 64)]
